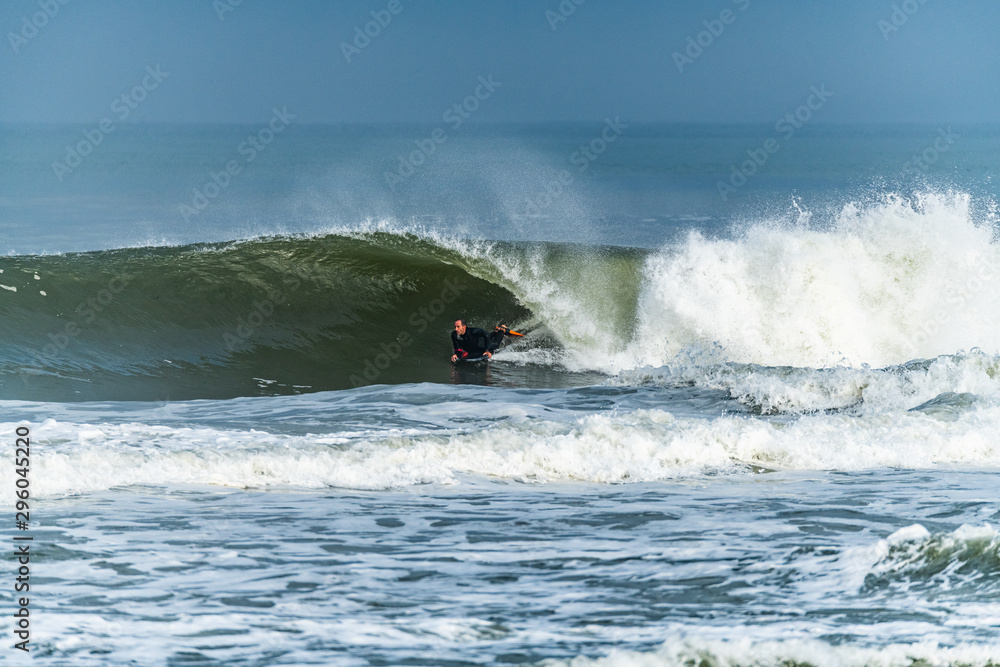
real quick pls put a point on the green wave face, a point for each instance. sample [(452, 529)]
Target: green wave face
[(284, 315)]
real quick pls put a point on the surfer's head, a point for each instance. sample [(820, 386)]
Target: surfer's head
[(460, 326)]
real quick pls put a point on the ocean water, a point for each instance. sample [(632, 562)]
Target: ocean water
[(752, 422)]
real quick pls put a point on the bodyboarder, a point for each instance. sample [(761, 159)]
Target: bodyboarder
[(472, 343)]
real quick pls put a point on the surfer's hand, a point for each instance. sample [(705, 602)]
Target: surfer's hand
[(488, 355), (454, 357)]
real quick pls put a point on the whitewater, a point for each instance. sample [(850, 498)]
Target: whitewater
[(751, 434)]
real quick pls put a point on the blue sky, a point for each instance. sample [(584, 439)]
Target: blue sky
[(931, 61)]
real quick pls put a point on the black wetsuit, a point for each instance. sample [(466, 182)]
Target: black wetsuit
[(474, 342)]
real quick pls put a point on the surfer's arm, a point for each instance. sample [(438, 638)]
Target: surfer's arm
[(459, 352)]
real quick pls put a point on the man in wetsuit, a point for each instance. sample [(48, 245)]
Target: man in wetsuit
[(471, 342)]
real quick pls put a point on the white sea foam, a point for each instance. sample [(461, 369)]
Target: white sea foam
[(686, 650), (796, 390), (643, 445), (881, 284)]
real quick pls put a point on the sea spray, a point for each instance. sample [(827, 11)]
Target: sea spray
[(882, 284)]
